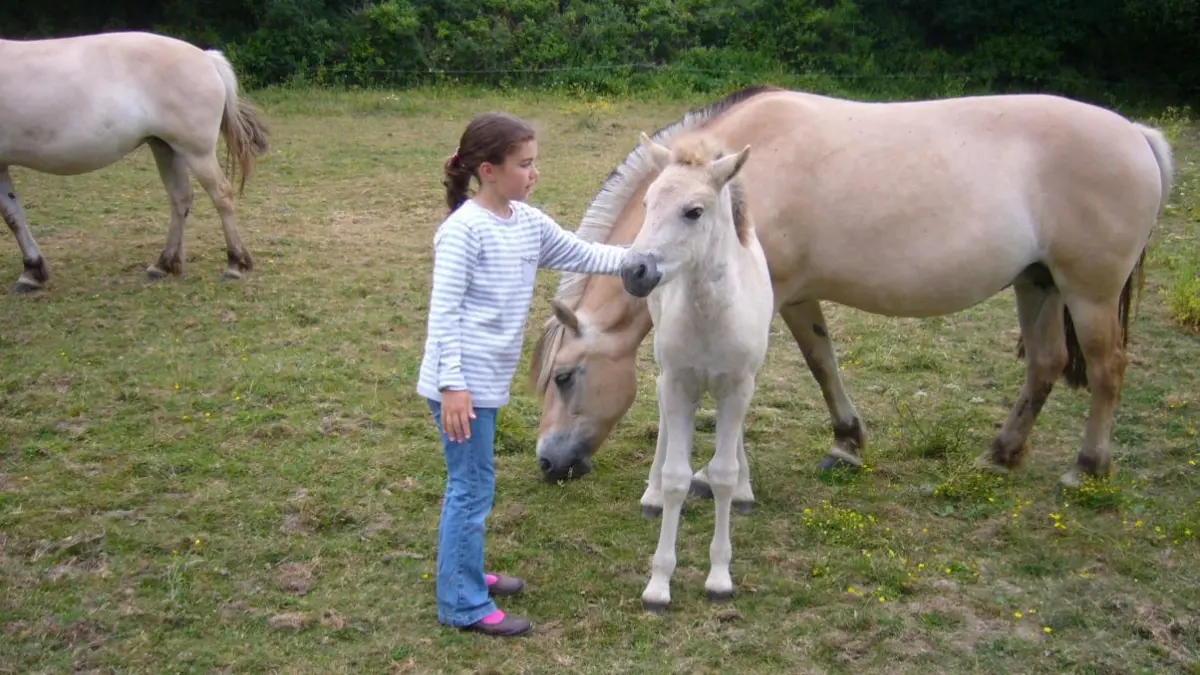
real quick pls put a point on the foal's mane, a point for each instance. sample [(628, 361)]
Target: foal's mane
[(606, 207)]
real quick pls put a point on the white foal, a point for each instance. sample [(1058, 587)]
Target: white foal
[(700, 266)]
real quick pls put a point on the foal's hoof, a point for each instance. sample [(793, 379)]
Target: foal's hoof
[(700, 489), (231, 275), (744, 508), (651, 512), (25, 288), (654, 607), (155, 274), (719, 597)]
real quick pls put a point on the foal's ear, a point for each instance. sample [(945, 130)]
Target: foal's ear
[(565, 316), (658, 154), (723, 170)]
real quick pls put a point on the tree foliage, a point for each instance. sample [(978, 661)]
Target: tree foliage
[(1088, 49)]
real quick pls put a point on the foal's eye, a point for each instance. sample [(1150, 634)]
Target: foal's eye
[(564, 378), (693, 213)]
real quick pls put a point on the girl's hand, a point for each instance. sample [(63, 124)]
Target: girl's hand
[(457, 413)]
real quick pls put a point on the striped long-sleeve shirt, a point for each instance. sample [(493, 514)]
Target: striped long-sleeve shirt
[(483, 281)]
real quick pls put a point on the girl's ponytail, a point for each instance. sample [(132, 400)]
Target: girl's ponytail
[(457, 182)]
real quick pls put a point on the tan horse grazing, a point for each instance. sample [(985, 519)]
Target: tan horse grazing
[(702, 270), (911, 209), (78, 104)]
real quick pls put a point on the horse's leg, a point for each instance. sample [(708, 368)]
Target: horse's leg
[(723, 472), (172, 168), (36, 273), (1040, 314), (743, 494), (1099, 332), (680, 413), (208, 172), (652, 498), (807, 325)]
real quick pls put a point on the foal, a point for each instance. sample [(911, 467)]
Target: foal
[(700, 266)]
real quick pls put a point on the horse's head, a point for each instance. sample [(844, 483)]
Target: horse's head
[(686, 209), (584, 367)]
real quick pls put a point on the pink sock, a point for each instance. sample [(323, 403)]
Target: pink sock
[(492, 579), (493, 618)]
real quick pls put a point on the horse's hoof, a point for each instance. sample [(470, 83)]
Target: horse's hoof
[(744, 508), (231, 275), (719, 597), (651, 512), (24, 288), (654, 607), (987, 464), (832, 462), (700, 489), (155, 274)]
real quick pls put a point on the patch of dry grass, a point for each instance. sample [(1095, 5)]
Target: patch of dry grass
[(218, 477)]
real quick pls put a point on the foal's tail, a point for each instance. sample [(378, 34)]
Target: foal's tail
[(245, 133), (1076, 371)]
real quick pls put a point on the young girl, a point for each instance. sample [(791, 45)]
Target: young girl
[(486, 254)]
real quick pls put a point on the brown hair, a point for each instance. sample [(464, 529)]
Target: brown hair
[(490, 137)]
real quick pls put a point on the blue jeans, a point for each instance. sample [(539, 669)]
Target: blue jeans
[(462, 592)]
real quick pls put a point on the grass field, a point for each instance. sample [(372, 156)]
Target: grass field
[(198, 476)]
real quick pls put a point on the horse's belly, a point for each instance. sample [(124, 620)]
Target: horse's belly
[(71, 153), (922, 286)]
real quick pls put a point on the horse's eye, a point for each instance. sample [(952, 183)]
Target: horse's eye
[(564, 378), (693, 213)]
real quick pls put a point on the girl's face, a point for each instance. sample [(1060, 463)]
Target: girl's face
[(515, 178)]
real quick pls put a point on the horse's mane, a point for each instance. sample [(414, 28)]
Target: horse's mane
[(606, 206)]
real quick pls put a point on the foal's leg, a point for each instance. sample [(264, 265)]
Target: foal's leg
[(1040, 314), (680, 412), (807, 325), (36, 273), (723, 470), (1098, 328), (172, 168), (208, 172), (652, 498)]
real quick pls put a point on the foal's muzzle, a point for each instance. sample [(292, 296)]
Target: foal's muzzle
[(640, 274)]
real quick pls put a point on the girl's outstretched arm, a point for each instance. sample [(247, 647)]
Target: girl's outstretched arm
[(563, 250)]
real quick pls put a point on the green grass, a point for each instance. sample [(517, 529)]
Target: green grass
[(199, 476)]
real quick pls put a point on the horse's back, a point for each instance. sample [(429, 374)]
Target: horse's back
[(925, 207)]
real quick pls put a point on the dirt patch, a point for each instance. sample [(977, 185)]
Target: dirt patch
[(294, 621), (295, 577)]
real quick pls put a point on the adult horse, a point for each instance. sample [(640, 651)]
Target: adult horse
[(911, 209), (78, 104)]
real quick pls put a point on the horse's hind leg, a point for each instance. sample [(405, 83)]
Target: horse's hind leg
[(807, 325), (1040, 313), (1098, 328), (172, 168), (36, 273), (208, 172)]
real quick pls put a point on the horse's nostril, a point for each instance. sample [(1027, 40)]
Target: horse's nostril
[(544, 464), (640, 272)]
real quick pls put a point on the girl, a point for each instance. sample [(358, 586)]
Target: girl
[(486, 254)]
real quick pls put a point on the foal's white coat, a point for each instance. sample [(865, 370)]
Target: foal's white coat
[(78, 104), (711, 303)]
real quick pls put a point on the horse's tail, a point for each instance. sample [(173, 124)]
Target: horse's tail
[(1165, 158), (245, 133), (1076, 370)]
